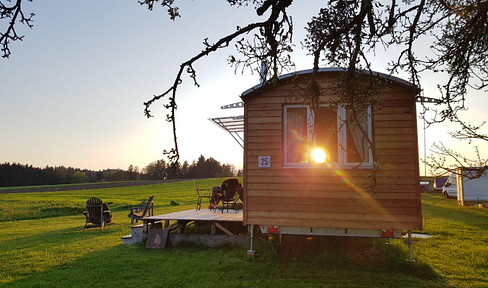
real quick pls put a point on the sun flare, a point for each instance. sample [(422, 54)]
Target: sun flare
[(318, 155)]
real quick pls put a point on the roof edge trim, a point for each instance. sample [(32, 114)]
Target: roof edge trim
[(331, 69)]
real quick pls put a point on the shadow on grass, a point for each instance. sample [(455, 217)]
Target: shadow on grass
[(351, 254), (329, 262), (133, 266)]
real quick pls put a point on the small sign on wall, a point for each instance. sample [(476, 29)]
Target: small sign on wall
[(264, 161)]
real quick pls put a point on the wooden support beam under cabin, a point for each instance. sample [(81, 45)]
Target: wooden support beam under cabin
[(181, 225)]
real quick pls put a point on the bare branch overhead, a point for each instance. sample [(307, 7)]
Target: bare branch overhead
[(343, 33)]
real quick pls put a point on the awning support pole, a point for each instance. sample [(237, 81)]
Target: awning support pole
[(410, 258), (252, 236), (251, 252)]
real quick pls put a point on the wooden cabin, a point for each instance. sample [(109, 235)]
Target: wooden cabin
[(287, 193)]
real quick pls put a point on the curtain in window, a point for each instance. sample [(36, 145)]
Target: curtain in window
[(296, 131), (326, 132), (357, 137)]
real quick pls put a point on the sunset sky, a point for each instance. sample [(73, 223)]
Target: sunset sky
[(72, 92)]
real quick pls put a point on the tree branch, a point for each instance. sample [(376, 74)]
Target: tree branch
[(12, 14), (271, 29)]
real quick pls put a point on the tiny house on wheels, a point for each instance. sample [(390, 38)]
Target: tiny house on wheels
[(363, 181)]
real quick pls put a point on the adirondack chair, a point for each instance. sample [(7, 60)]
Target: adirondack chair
[(137, 213), (201, 194), (96, 213)]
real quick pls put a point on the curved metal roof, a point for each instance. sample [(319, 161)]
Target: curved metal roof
[(330, 69)]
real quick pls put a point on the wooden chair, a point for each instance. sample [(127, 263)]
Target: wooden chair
[(96, 213), (202, 194), (137, 213), (229, 194)]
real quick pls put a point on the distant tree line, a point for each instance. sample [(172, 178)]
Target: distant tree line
[(201, 168), (15, 174)]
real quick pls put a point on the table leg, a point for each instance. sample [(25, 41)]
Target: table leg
[(145, 226)]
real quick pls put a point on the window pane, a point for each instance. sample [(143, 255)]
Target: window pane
[(296, 131), (326, 131), (357, 137)]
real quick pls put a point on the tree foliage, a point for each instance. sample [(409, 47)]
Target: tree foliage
[(15, 174), (348, 34), (201, 168)]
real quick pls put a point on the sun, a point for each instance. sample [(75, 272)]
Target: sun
[(318, 155)]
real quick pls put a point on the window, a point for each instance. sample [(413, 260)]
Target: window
[(357, 151), (296, 131), (337, 132)]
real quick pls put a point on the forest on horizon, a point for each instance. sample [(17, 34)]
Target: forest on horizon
[(16, 174)]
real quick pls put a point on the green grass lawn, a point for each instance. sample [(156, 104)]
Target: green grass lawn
[(42, 244)]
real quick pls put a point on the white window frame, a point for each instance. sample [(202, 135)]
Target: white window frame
[(341, 140), (285, 133)]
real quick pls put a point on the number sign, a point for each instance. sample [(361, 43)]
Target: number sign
[(264, 161)]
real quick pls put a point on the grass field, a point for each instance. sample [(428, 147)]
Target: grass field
[(42, 244), (76, 186)]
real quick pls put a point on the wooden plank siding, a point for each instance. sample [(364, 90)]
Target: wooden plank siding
[(332, 197)]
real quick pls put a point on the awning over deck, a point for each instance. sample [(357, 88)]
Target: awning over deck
[(232, 124)]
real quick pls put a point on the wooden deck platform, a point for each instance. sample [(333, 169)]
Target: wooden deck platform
[(200, 215), (183, 218)]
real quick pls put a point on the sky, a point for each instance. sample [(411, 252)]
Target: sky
[(72, 92)]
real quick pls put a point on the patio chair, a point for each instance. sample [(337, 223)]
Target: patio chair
[(201, 194), (229, 194), (97, 213), (137, 213)]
